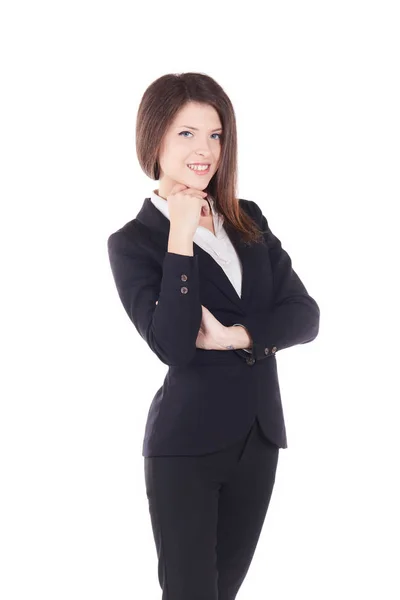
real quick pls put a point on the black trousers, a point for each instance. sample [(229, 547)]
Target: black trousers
[(207, 513)]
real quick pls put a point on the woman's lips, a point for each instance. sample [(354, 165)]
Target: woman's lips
[(202, 172)]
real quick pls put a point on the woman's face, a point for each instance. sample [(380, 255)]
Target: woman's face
[(194, 136)]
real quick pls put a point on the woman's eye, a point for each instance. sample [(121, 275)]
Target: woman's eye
[(192, 134)]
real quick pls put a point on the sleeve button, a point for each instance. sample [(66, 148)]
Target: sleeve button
[(184, 290), (274, 349), (266, 350), (183, 277), (250, 360)]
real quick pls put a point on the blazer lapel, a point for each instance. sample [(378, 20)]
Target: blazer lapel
[(159, 227)]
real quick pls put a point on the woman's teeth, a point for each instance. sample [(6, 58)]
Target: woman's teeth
[(199, 168)]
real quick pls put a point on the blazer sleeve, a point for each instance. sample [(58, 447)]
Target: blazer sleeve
[(163, 303), (294, 316)]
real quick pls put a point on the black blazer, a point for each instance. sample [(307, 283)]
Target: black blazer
[(210, 398)]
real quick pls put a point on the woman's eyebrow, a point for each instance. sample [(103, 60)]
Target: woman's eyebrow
[(195, 128)]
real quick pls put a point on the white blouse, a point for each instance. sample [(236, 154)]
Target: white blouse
[(219, 246)]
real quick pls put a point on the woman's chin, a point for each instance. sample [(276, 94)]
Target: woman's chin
[(192, 185)]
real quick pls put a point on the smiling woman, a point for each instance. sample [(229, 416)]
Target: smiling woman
[(216, 311), (188, 119)]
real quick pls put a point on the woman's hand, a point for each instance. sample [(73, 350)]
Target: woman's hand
[(186, 207), (211, 332)]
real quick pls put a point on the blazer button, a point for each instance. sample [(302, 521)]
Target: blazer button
[(250, 360), (266, 350), (274, 349), (184, 290), (183, 277)]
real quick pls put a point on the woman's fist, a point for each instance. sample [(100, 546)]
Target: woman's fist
[(186, 206)]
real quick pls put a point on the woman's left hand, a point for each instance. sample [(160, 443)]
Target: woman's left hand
[(211, 332)]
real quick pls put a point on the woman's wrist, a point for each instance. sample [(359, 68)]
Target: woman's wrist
[(236, 337)]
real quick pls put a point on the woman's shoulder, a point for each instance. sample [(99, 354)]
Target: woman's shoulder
[(130, 237), (251, 207), (125, 231)]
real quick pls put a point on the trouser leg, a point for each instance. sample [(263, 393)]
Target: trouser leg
[(243, 504), (183, 506)]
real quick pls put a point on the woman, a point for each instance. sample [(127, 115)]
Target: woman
[(210, 289)]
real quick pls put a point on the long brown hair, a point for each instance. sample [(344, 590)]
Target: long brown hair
[(161, 101)]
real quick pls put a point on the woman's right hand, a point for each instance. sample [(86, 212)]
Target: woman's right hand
[(186, 205)]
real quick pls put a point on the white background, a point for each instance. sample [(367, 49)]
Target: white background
[(315, 87)]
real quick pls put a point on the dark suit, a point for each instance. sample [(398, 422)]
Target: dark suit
[(210, 398)]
